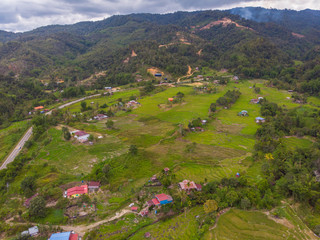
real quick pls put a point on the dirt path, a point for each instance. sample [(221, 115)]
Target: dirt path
[(82, 229), (223, 211), (189, 73)]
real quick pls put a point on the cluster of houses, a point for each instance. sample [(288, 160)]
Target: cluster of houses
[(37, 109), (132, 104), (77, 191), (81, 136), (34, 231)]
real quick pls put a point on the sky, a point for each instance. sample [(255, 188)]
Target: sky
[(25, 15)]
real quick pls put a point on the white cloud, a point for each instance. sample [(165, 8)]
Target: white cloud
[(23, 15)]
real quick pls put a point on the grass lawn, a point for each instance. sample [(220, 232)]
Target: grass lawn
[(10, 136)]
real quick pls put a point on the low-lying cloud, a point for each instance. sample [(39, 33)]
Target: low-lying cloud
[(24, 15)]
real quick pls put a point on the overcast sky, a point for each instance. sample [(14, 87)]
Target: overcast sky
[(24, 15)]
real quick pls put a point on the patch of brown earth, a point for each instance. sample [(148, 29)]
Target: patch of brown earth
[(225, 22)]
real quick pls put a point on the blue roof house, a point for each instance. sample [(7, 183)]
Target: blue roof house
[(60, 236), (260, 120)]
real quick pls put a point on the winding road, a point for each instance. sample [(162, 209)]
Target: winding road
[(28, 134)]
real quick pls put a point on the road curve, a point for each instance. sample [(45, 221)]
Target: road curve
[(28, 134)]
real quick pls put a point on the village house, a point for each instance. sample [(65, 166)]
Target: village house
[(100, 117), (162, 199), (132, 103), (81, 136), (254, 101), (158, 75), (187, 185), (38, 108), (166, 170), (243, 113), (134, 209), (93, 186), (260, 120), (77, 191), (144, 212), (33, 231), (64, 236), (154, 178), (27, 202)]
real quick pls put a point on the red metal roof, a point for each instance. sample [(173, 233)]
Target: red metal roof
[(155, 201), (134, 208), (77, 190), (162, 197), (73, 236), (80, 133), (199, 187), (38, 108)]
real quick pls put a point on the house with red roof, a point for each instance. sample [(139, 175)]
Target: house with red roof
[(166, 170), (77, 191), (162, 199), (27, 202), (134, 209), (39, 108), (81, 136)]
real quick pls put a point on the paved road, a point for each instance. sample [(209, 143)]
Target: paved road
[(28, 134), (17, 149)]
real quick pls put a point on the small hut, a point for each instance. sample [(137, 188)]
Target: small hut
[(243, 113)]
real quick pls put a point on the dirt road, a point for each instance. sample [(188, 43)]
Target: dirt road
[(82, 229)]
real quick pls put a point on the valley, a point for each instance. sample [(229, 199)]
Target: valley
[(186, 125)]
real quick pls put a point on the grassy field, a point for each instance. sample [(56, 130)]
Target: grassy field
[(74, 157), (223, 149), (10, 136), (239, 224)]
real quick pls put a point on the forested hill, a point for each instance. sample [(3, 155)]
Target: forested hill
[(250, 42)]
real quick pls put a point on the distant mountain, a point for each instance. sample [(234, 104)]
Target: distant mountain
[(306, 22), (254, 42)]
